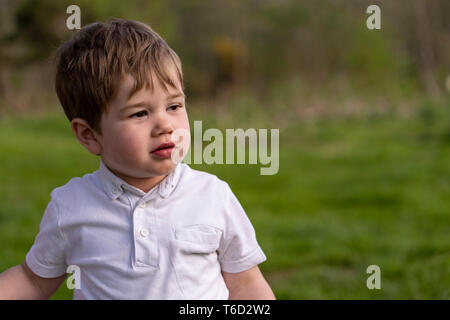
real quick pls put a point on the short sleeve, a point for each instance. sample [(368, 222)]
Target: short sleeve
[(46, 257), (238, 250)]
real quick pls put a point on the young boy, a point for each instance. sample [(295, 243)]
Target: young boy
[(142, 226)]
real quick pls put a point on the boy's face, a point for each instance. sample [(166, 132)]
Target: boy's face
[(135, 126)]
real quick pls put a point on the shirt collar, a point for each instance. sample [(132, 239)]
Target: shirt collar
[(115, 186)]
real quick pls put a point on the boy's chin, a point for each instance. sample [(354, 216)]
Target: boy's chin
[(162, 168)]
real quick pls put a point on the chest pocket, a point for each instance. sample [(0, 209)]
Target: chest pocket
[(195, 259), (198, 239)]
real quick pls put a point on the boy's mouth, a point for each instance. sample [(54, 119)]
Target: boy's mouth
[(164, 150)]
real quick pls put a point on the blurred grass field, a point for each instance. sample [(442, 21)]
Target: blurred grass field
[(349, 193)]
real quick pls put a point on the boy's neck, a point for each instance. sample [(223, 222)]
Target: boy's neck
[(144, 184)]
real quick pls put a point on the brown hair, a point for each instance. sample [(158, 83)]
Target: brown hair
[(90, 65)]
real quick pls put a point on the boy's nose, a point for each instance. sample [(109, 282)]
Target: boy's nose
[(162, 125)]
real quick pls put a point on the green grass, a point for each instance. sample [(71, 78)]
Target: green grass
[(349, 193)]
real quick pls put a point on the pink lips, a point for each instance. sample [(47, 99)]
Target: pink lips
[(164, 150)]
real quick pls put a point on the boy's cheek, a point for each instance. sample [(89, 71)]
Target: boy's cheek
[(125, 137), (132, 146), (124, 145), (183, 123)]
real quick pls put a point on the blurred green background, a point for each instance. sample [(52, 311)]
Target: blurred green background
[(364, 119)]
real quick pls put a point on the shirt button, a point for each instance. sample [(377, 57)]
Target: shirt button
[(115, 190), (143, 205), (144, 232)]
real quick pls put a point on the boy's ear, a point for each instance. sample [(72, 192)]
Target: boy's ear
[(86, 135)]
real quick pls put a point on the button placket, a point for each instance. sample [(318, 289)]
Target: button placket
[(146, 241)]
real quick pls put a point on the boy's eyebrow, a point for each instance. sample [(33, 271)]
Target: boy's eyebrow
[(176, 95), (142, 103)]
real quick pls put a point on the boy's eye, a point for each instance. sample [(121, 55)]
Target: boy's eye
[(174, 107), (139, 114)]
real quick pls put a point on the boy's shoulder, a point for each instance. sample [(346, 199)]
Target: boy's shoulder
[(76, 189), (198, 180)]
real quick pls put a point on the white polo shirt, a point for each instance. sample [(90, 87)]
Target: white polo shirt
[(169, 243)]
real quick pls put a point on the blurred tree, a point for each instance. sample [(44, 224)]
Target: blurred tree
[(426, 48)]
